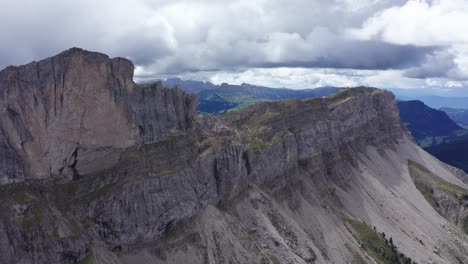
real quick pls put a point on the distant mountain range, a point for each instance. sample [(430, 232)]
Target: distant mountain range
[(440, 101), (455, 153), (416, 93), (429, 126), (189, 85), (458, 115), (218, 99), (437, 131), (434, 97)]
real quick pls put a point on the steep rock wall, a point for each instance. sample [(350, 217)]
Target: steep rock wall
[(156, 186), (145, 164), (63, 115)]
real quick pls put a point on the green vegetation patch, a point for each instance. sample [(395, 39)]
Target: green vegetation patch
[(87, 260), (431, 141), (255, 134), (344, 92), (428, 192), (243, 100), (220, 102), (461, 132), (20, 197), (256, 120), (376, 244), (426, 182), (254, 141), (232, 111), (338, 103), (22, 194), (33, 220), (16, 193), (424, 142)]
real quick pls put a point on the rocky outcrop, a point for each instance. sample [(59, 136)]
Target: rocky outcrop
[(73, 113), (145, 165)]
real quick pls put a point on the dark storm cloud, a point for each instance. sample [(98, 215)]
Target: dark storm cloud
[(178, 36), (33, 30), (318, 49), (364, 55), (436, 65)]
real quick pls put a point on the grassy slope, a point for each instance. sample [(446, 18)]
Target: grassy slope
[(428, 183), (380, 248), (423, 177), (226, 99)]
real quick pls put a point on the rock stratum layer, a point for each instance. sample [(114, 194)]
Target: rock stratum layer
[(95, 168), (62, 115)]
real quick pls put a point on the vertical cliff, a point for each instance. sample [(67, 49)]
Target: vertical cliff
[(144, 179), (67, 114)]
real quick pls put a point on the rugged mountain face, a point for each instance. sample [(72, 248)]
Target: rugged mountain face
[(297, 181), (436, 131), (73, 113), (429, 126), (458, 115)]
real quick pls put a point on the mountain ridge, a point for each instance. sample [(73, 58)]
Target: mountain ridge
[(436, 131), (47, 103), (429, 126), (218, 99), (456, 114), (302, 181)]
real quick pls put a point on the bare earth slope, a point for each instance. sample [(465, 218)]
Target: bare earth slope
[(130, 174)]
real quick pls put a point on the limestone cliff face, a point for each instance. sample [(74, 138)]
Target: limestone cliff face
[(155, 183), (63, 115)]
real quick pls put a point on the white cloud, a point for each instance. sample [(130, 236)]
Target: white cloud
[(419, 22), (34, 30), (425, 23), (293, 43), (310, 78), (181, 35)]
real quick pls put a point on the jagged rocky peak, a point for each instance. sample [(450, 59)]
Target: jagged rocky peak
[(70, 113), (297, 181), (351, 114)]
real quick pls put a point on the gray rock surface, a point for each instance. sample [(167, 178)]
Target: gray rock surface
[(64, 114), (99, 168)]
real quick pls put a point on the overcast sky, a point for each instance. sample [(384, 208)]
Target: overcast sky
[(290, 43)]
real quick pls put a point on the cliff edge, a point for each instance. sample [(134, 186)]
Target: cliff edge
[(96, 168), (73, 113)]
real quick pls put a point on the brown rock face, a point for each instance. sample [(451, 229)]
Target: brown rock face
[(276, 182), (68, 113)]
